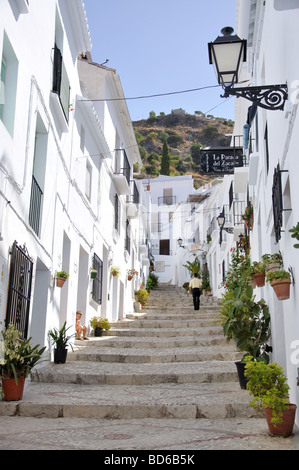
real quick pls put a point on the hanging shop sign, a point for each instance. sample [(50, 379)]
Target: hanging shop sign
[(221, 160)]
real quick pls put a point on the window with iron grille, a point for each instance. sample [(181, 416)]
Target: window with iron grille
[(97, 283), (116, 212)]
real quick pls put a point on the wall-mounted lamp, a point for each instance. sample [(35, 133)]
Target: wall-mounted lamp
[(227, 53), (180, 242), (221, 222)]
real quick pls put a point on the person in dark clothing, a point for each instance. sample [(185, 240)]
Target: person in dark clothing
[(195, 288)]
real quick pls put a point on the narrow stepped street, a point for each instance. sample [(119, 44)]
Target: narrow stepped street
[(168, 365)]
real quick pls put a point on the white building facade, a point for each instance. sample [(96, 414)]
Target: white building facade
[(68, 199), (268, 180)]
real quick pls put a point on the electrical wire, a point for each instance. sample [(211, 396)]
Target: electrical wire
[(153, 96)]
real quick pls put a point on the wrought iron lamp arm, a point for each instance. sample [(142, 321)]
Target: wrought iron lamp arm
[(269, 97)]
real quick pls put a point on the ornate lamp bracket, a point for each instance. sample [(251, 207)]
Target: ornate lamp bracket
[(269, 97)]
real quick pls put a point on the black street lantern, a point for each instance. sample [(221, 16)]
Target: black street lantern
[(221, 222), (227, 53)]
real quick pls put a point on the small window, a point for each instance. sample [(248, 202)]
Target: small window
[(61, 84), (8, 88), (82, 138), (164, 247), (97, 283), (88, 179)]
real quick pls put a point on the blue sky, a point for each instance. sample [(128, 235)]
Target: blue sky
[(160, 46)]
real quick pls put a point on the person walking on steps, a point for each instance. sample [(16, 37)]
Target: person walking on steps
[(195, 288)]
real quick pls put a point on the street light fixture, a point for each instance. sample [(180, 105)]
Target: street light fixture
[(180, 242), (221, 222), (227, 53)]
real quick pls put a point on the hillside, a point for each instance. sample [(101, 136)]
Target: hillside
[(185, 135)]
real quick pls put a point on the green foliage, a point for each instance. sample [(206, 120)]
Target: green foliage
[(205, 275), (246, 321), (267, 384), (257, 267), (238, 274), (276, 258), (19, 356), (154, 280), (62, 274), (195, 152), (193, 267), (98, 322), (60, 338), (141, 296), (165, 161), (295, 234), (186, 286), (275, 275)]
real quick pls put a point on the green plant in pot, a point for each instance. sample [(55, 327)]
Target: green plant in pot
[(257, 271), (61, 341), (20, 358), (115, 271), (61, 277), (272, 262), (268, 386), (99, 324), (141, 296), (280, 281), (248, 323)]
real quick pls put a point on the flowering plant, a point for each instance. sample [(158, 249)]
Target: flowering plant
[(19, 356)]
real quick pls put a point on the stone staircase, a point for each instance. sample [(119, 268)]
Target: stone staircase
[(167, 362)]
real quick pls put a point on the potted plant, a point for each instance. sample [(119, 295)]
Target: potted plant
[(272, 262), (141, 296), (131, 274), (186, 287), (61, 341), (99, 324), (149, 285), (19, 360), (258, 273), (115, 271), (280, 281), (248, 323), (61, 277), (93, 273), (268, 386)]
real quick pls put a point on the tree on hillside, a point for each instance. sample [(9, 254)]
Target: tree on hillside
[(165, 162)]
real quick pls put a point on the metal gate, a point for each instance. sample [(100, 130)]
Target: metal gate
[(19, 291)]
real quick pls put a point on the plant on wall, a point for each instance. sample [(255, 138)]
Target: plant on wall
[(295, 234)]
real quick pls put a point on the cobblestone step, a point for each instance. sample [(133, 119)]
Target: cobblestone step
[(176, 401), (100, 373), (135, 355)]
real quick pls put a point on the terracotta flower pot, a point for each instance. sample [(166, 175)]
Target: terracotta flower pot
[(60, 281), (259, 279), (286, 427), (281, 288), (11, 390)]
